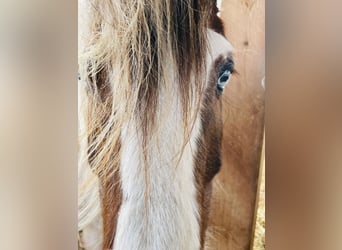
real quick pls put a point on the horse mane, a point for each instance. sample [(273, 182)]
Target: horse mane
[(131, 49)]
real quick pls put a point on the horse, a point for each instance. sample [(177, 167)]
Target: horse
[(151, 78)]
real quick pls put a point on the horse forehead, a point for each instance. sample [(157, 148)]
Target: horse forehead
[(218, 45)]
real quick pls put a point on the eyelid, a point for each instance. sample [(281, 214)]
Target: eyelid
[(227, 65), (226, 73)]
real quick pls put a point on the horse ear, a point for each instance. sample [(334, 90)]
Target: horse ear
[(215, 21), (216, 7)]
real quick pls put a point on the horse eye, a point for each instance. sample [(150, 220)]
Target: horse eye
[(223, 80)]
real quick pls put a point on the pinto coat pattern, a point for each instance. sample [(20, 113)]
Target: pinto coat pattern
[(152, 128)]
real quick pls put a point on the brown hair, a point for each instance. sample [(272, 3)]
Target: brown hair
[(131, 48)]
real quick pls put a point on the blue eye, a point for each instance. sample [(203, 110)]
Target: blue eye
[(223, 81)]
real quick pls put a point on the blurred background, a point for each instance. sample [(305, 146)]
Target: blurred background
[(38, 125)]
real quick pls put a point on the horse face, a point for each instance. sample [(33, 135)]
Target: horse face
[(165, 203)]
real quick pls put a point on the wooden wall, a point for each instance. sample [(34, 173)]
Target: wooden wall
[(235, 187)]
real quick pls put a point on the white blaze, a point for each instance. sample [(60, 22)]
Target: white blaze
[(171, 219)]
